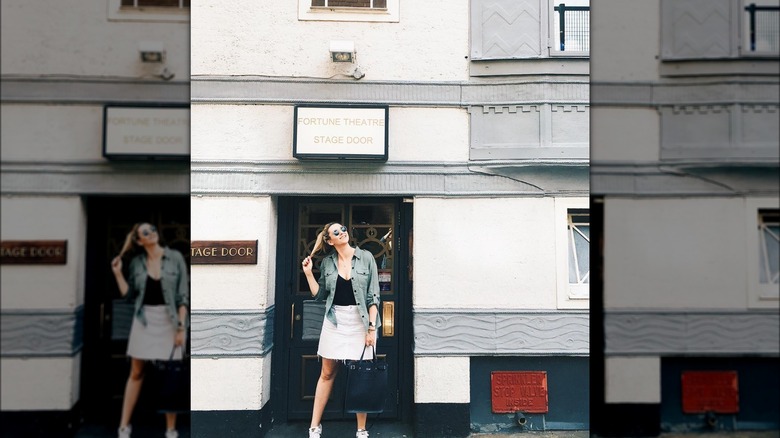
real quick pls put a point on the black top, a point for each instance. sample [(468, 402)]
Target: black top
[(344, 295), (153, 295)]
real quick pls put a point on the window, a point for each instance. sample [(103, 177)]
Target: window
[(578, 230), (149, 10), (719, 29), (386, 11), (156, 3), (370, 4), (572, 242), (763, 252), (761, 28), (769, 246), (531, 29), (571, 28)]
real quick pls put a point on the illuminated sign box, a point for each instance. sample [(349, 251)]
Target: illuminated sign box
[(136, 132), (340, 132)]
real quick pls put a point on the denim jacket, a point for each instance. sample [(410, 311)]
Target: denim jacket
[(173, 279), (365, 284)]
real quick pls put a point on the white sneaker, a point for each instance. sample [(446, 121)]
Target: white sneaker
[(124, 432), (171, 433), (315, 432), (361, 433)]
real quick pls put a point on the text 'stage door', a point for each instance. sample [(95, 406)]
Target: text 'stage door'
[(372, 226)]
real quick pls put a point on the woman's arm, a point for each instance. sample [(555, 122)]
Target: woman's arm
[(182, 287), (314, 285), (116, 267)]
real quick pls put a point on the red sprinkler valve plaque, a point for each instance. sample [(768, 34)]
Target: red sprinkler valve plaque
[(524, 391), (714, 391)]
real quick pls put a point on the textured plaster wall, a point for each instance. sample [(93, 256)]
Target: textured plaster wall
[(429, 43), (632, 380), (265, 132), (230, 383), (632, 56), (56, 383), (246, 287), (47, 38), (441, 380), (51, 133), (669, 253), (44, 286), (484, 253), (625, 135)]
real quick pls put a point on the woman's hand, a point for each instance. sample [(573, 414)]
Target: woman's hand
[(116, 265), (179, 339), (307, 265), (371, 337)]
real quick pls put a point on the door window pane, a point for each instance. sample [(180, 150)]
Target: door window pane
[(769, 246)]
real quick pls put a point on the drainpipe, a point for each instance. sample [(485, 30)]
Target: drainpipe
[(520, 419)]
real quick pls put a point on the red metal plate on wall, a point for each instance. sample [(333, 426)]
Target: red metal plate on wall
[(524, 391), (710, 391)]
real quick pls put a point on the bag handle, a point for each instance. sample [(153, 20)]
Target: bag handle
[(173, 350), (373, 353)]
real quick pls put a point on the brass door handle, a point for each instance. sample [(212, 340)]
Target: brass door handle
[(292, 320), (388, 318)]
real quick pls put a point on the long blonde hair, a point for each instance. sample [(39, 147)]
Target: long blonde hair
[(322, 237), (131, 241)]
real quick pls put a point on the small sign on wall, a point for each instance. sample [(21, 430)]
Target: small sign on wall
[(710, 391), (33, 252), (340, 132), (133, 132), (223, 252), (524, 391)]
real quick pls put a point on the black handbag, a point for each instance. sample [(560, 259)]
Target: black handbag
[(366, 385), (173, 383)]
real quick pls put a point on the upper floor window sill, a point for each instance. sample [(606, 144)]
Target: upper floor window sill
[(747, 66)]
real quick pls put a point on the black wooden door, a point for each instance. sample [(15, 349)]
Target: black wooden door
[(107, 316), (373, 225)]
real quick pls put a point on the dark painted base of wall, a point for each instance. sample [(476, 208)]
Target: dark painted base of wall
[(433, 420), (626, 420), (31, 424), (207, 424)]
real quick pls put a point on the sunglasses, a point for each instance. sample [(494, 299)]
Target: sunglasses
[(146, 232), (336, 232)]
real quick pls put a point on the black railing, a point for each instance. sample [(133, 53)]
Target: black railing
[(764, 28), (574, 27)]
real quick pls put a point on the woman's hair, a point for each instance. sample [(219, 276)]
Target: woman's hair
[(131, 241), (322, 237)]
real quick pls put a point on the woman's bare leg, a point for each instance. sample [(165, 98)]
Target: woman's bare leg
[(170, 420), (361, 420), (132, 389), (324, 385)]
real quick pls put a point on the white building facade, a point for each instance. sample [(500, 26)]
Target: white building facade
[(685, 171), (67, 68), (477, 215)]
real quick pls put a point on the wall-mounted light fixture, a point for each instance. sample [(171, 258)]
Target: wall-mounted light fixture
[(342, 51), (151, 51)]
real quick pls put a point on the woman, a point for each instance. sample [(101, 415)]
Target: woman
[(158, 283), (350, 287)]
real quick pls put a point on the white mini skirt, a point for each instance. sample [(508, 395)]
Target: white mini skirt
[(346, 339), (154, 341)]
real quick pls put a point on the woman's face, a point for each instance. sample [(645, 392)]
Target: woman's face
[(147, 234), (338, 234)]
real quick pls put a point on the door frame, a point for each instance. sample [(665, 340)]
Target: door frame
[(285, 259)]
